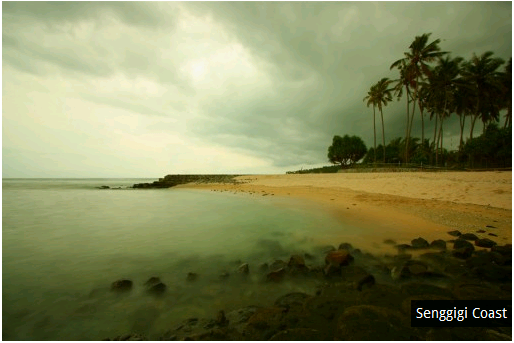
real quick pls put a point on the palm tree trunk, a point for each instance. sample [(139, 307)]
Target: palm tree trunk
[(508, 117), (411, 122), (374, 134), (407, 128), (472, 125), (383, 134), (462, 120), (435, 136)]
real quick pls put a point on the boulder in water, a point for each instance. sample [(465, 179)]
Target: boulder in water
[(122, 285), (419, 243), (485, 243), (157, 289)]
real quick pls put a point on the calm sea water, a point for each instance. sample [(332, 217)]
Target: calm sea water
[(64, 242)]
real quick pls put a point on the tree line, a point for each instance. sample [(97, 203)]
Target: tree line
[(474, 89), (437, 86)]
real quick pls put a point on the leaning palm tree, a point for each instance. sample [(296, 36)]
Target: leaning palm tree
[(382, 97), (372, 100), (481, 72), (420, 53)]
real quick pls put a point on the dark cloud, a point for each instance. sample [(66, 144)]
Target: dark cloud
[(314, 62)]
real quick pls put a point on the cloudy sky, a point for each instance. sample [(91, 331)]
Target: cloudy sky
[(144, 89)]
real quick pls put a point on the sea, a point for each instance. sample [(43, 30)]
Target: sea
[(64, 242)]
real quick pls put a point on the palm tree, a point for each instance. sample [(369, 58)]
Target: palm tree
[(382, 97), (419, 54), (405, 80), (507, 92), (481, 74), (371, 97), (440, 90)]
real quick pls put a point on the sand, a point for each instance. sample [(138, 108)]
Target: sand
[(400, 205)]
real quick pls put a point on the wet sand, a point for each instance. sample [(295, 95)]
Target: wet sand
[(401, 205)]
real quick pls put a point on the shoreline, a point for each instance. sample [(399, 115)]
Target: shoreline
[(401, 206)]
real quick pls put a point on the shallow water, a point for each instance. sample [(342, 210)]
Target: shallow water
[(65, 242)]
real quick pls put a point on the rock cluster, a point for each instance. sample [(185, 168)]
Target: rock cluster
[(363, 297)]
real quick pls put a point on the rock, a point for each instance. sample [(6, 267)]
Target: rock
[(157, 289), (121, 285), (408, 269), (152, 281), (308, 256), (338, 258), (264, 323), (241, 315), (332, 270), (389, 241), (462, 253), (493, 273), (438, 244), (103, 187), (191, 277), (485, 243), (244, 269), (492, 234), (490, 227), (224, 275), (462, 249), (292, 299), (402, 247), (372, 323), (297, 334), (455, 233), (419, 243), (221, 319), (480, 231), (277, 264), (296, 261), (381, 295), (468, 237), (277, 275), (345, 246)]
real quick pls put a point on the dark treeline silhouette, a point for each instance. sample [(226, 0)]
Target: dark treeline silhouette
[(437, 86)]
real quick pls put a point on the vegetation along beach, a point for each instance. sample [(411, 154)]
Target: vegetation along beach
[(250, 171)]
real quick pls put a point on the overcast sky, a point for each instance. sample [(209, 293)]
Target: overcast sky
[(145, 89)]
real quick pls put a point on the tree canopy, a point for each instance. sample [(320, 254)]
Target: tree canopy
[(346, 150)]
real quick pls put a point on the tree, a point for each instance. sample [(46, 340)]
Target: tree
[(382, 97), (481, 72), (371, 97), (346, 150), (416, 59)]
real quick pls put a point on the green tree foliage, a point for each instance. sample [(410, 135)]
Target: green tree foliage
[(493, 149), (346, 150)]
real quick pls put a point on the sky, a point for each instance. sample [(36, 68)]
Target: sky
[(145, 89)]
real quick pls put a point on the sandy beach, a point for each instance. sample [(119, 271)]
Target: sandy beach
[(401, 205)]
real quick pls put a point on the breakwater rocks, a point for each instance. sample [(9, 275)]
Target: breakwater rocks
[(360, 296), (173, 180)]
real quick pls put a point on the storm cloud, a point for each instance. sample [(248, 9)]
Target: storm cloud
[(143, 89)]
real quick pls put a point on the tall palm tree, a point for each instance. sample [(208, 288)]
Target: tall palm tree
[(382, 97), (481, 72), (441, 87), (405, 80), (371, 98), (420, 53)]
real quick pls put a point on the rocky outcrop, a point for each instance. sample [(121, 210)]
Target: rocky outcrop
[(173, 180)]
